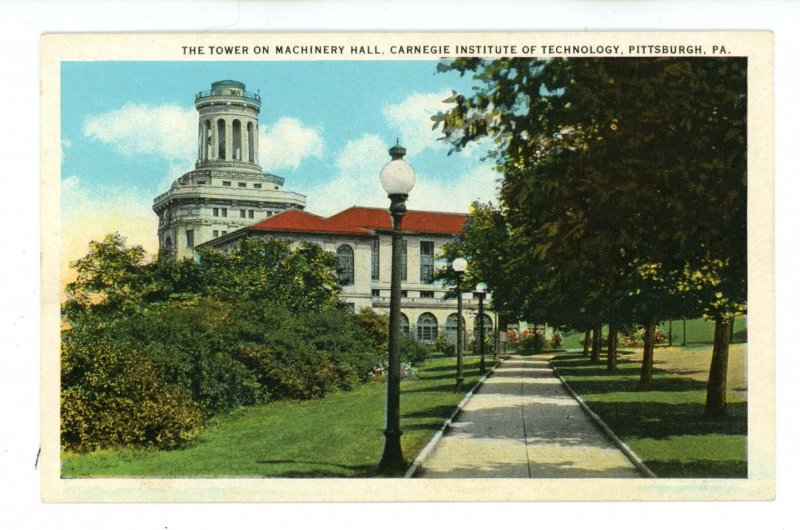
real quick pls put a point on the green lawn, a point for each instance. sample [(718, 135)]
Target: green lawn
[(664, 423), (340, 435)]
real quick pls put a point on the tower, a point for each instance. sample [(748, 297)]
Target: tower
[(227, 189)]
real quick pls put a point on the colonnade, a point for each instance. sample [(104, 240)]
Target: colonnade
[(224, 139)]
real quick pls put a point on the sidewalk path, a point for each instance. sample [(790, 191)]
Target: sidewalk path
[(523, 423)]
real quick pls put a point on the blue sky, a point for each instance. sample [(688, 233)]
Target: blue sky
[(128, 129)]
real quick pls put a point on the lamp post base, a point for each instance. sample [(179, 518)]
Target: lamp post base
[(392, 462), (459, 383)]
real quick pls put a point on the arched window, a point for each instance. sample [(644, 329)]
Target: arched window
[(427, 327), (221, 139), (168, 244), (404, 327), (345, 266), (208, 140), (237, 139), (451, 327), (251, 145), (487, 326)]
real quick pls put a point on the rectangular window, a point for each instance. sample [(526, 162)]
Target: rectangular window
[(243, 184), (376, 259), (190, 238), (250, 213), (201, 181), (226, 182), (216, 233), (216, 212), (224, 232), (224, 212), (242, 213), (426, 294), (426, 261), (404, 294), (404, 262), (257, 185), (376, 292)]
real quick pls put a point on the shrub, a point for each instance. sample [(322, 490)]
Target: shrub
[(637, 338), (124, 402), (376, 325), (442, 345), (193, 347), (531, 341), (555, 340), (296, 375), (488, 344), (414, 352)]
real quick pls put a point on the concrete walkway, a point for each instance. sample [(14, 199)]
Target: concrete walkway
[(522, 423)]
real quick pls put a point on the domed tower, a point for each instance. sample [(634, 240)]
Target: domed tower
[(227, 190)]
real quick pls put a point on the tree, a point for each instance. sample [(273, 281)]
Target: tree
[(605, 164)]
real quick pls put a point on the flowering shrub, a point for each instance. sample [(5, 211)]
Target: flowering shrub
[(555, 340), (531, 341), (637, 338)]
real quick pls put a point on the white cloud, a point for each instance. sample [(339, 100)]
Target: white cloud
[(167, 130), (88, 214), (170, 132), (356, 183), (412, 119), (478, 184), (285, 144)]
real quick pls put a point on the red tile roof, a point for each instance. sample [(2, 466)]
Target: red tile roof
[(358, 220), (300, 221), (413, 221)]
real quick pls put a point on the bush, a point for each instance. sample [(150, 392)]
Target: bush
[(531, 342), (376, 325), (637, 338), (296, 375), (123, 402), (442, 345), (193, 347), (555, 340), (414, 352)]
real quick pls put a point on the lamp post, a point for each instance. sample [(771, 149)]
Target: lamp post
[(480, 294), (459, 267), (397, 178)]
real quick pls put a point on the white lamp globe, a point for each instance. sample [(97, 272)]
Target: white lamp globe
[(459, 265), (481, 287), (398, 177)]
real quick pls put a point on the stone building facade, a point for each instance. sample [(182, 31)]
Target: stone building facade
[(227, 190), (361, 240)]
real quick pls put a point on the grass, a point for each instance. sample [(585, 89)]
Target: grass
[(340, 435), (663, 423)]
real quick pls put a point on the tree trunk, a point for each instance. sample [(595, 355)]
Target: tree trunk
[(730, 331), (718, 374), (586, 339), (647, 355), (611, 365), (670, 332), (596, 344), (684, 332)]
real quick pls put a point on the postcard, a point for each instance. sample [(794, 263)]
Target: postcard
[(346, 267)]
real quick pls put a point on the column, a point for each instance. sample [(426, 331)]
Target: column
[(228, 140)]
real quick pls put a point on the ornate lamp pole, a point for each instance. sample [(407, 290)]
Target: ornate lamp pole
[(398, 179), (480, 294), (459, 267)]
